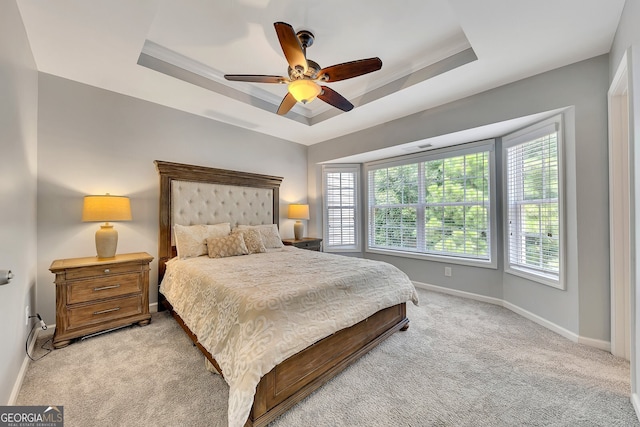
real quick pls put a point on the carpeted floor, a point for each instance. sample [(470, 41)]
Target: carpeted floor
[(461, 363)]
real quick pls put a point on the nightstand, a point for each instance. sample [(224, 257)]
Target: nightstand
[(95, 295), (310, 243)]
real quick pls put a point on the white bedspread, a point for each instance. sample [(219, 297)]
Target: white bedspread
[(252, 312)]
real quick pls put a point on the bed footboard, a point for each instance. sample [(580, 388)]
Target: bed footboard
[(301, 374)]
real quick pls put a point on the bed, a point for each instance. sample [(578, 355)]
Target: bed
[(277, 358)]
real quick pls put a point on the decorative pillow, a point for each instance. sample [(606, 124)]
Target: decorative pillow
[(252, 239), (269, 233), (231, 245), (191, 239)]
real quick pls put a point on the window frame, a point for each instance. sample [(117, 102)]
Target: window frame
[(437, 154), (356, 169), (519, 137)]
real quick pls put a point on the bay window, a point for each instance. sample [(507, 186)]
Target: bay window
[(437, 205)]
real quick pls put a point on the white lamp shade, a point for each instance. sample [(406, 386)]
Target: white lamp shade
[(298, 211), (106, 208)]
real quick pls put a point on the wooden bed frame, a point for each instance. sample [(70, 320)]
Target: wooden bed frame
[(298, 376)]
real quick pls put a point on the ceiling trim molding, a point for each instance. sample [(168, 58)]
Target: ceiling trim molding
[(168, 62), (159, 52), (179, 73), (447, 64)]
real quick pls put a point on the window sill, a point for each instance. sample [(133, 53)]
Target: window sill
[(543, 280), (435, 258), (337, 249)]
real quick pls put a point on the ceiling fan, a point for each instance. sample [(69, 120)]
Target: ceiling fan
[(304, 74)]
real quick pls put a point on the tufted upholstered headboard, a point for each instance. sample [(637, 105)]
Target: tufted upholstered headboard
[(205, 203), (200, 195)]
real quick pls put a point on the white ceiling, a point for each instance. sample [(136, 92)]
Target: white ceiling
[(428, 49)]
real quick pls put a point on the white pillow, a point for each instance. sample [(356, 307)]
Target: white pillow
[(191, 240), (269, 233)]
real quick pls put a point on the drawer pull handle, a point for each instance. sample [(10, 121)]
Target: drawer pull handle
[(107, 287), (106, 270), (106, 311)]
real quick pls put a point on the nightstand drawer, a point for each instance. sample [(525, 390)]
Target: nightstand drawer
[(97, 271), (104, 311), (103, 287), (311, 245), (308, 243)]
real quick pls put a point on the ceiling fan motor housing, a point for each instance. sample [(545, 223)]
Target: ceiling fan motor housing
[(312, 71)]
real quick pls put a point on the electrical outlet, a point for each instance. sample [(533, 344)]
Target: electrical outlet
[(447, 271), (26, 316)]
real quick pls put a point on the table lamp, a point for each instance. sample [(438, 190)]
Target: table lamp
[(106, 208), (298, 212)]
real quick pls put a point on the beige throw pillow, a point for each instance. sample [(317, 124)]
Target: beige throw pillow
[(191, 239), (252, 239), (221, 247), (269, 233)]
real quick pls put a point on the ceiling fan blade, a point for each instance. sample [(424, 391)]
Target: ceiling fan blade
[(255, 78), (351, 69), (291, 46), (332, 97), (287, 104)]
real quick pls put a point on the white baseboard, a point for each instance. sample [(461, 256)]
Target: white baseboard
[(457, 293), (602, 345), (23, 368), (635, 401), (153, 307)]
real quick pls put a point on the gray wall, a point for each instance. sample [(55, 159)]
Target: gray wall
[(627, 40), (92, 141), (580, 89), (18, 124), (627, 34)]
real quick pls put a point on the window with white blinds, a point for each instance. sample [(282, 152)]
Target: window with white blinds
[(341, 225), (436, 205), (533, 223)]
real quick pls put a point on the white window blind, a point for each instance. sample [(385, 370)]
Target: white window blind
[(440, 205), (533, 194), (394, 207), (341, 208), (457, 206)]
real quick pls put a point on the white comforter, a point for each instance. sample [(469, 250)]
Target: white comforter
[(252, 312)]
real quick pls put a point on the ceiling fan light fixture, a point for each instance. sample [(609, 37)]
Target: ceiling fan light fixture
[(304, 91)]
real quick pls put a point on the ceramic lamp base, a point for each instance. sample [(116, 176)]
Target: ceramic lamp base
[(106, 241), (298, 230)]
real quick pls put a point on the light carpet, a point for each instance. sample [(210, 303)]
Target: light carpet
[(461, 363)]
